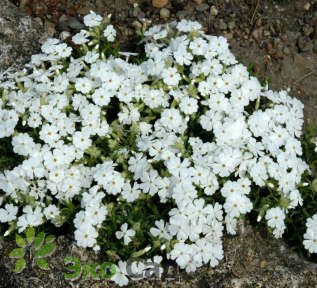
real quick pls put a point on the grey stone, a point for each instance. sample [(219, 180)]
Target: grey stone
[(182, 14), (62, 23), (75, 24), (202, 7), (20, 36)]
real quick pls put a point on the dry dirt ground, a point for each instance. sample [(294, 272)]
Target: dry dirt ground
[(253, 259)]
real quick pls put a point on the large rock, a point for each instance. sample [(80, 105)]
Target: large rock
[(20, 36), (251, 259)]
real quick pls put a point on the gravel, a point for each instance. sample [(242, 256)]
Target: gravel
[(165, 13), (202, 7)]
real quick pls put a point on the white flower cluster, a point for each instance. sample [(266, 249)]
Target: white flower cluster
[(202, 126), (310, 237)]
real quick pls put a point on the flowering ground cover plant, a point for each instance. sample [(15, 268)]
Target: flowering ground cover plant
[(150, 157)]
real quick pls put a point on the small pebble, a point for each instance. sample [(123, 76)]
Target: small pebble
[(38, 20), (213, 11), (232, 25), (62, 25), (303, 43), (308, 30), (159, 3), (49, 27), (64, 35), (286, 51), (223, 25), (202, 7), (182, 14), (229, 36), (165, 13), (136, 24), (257, 33), (266, 33), (307, 6), (263, 264), (269, 46)]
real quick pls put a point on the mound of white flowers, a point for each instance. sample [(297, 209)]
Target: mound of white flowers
[(161, 156)]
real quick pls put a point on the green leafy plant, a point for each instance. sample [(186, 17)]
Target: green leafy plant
[(32, 248)]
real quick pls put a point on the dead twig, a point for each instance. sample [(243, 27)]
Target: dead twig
[(255, 9)]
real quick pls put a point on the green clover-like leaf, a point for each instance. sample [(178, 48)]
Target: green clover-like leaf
[(49, 239), (42, 263), (17, 253), (19, 265), (20, 241), (30, 234), (45, 250), (38, 241)]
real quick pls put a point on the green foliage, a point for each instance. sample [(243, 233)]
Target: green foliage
[(8, 159), (42, 263), (20, 241), (40, 249), (30, 234), (39, 239), (45, 250), (295, 223), (17, 253), (19, 265), (147, 205), (262, 199)]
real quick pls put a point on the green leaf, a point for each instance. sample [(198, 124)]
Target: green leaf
[(20, 241), (30, 234), (45, 250), (19, 265), (38, 241), (314, 185), (17, 253), (42, 263), (50, 239)]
